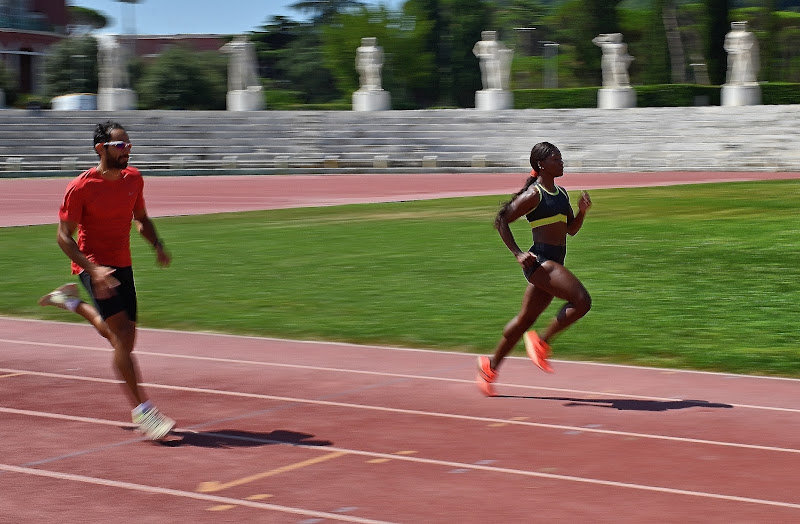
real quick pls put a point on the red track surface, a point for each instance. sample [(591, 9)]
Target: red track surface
[(301, 432), (27, 201)]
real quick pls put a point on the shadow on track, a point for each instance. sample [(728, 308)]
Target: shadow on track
[(630, 404), (231, 438)]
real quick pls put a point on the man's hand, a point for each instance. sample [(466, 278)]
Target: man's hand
[(103, 283), (163, 258)]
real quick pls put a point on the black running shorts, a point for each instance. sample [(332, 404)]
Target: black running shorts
[(123, 299), (545, 252)]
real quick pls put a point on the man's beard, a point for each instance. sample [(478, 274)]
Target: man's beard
[(117, 163)]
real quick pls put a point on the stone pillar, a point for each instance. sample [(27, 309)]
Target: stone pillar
[(616, 92), (741, 88), (369, 63), (495, 62), (245, 92), (114, 92)]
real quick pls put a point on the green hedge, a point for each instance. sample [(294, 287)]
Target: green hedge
[(665, 95), (779, 93)]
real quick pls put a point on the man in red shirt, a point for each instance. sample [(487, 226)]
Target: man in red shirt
[(100, 205)]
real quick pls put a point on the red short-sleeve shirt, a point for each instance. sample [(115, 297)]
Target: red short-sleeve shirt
[(103, 210)]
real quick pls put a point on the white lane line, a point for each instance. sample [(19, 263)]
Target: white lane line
[(385, 374), (185, 494), (414, 412), (445, 463), (395, 348), (71, 418)]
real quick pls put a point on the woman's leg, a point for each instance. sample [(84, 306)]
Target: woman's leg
[(534, 302), (558, 281)]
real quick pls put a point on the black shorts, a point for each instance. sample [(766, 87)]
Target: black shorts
[(545, 252), (124, 298)]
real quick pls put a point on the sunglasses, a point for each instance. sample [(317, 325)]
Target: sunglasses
[(119, 144)]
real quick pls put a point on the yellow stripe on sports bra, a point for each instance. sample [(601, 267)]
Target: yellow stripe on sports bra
[(549, 220)]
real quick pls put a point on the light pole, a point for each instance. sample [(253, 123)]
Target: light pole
[(526, 39), (130, 28), (550, 64)]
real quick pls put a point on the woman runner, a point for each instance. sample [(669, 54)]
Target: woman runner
[(547, 208)]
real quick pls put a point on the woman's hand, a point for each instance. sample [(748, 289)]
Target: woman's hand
[(585, 202), (527, 260)]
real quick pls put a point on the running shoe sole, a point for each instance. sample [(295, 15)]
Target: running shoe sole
[(538, 351)]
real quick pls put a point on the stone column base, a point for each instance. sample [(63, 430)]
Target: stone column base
[(740, 95), (616, 97), (493, 99), (250, 99), (372, 100), (116, 99)]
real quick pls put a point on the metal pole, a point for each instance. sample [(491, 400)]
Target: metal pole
[(550, 65)]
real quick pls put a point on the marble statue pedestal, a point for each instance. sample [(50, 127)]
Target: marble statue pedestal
[(616, 97), (740, 95), (250, 99), (494, 99), (372, 100), (74, 102), (116, 99)]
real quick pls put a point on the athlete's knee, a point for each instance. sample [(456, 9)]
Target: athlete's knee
[(583, 302)]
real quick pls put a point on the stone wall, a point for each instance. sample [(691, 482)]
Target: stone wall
[(591, 140)]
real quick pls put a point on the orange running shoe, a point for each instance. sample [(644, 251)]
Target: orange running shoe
[(486, 375), (538, 350)]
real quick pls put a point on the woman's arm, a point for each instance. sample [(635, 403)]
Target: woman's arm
[(576, 222), (522, 204)]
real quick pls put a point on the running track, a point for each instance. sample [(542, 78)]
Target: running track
[(302, 432)]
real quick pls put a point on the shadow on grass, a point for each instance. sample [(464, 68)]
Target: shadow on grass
[(629, 404), (231, 438)]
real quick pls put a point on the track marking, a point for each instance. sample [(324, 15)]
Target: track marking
[(214, 486), (383, 460), (11, 375), (71, 418), (436, 414), (260, 496), (445, 463), (390, 348), (596, 394), (222, 507), (185, 494)]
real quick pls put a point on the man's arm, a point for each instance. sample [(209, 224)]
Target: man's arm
[(147, 229), (102, 281)]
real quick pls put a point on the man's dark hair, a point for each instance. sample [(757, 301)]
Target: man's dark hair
[(102, 132)]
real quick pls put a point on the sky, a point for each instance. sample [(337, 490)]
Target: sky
[(192, 16)]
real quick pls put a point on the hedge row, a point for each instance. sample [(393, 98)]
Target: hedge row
[(666, 95)]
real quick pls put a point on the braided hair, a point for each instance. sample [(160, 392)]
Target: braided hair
[(539, 152)]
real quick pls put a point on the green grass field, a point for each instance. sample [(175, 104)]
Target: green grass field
[(702, 277)]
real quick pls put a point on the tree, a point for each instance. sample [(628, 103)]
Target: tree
[(180, 78), (677, 57), (718, 27), (8, 84), (587, 19), (323, 11), (71, 66), (455, 27), (408, 67), (84, 20), (660, 47)]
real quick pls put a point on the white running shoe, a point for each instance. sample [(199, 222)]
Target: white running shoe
[(152, 423), (60, 295)]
